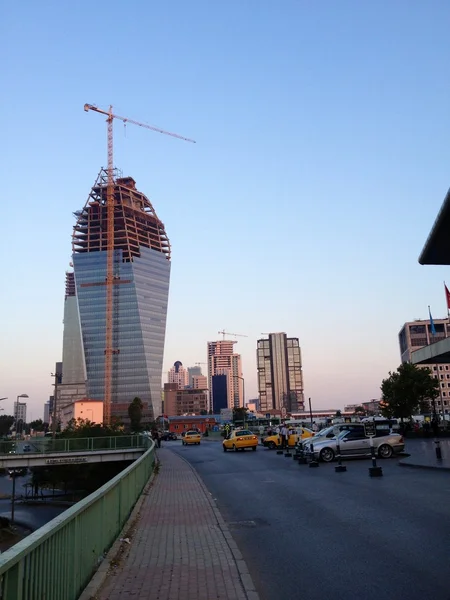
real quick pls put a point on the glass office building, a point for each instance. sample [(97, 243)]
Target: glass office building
[(140, 296)]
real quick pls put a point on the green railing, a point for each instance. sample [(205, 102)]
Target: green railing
[(92, 444), (57, 561)]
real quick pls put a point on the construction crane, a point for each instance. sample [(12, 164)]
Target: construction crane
[(224, 333), (200, 363), (109, 350)]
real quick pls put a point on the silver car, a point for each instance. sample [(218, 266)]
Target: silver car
[(355, 443), (329, 432)]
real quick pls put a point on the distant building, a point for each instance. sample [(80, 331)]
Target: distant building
[(222, 360), (280, 377), (88, 410), (219, 393), (178, 402), (178, 374), (192, 371), (417, 334), (185, 423), (47, 412), (199, 382), (20, 411)]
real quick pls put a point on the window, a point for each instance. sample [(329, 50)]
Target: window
[(415, 329), (440, 368), (434, 368), (444, 393)]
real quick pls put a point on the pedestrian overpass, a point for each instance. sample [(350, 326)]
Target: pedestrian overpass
[(57, 561), (44, 452)]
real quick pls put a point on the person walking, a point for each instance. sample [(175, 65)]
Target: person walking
[(156, 438), (283, 435)]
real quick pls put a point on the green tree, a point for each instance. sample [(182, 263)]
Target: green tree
[(37, 425), (359, 411), (5, 424), (407, 391), (240, 413), (135, 413), (338, 413)]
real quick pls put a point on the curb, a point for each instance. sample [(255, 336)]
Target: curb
[(244, 575), (425, 467), (100, 575)]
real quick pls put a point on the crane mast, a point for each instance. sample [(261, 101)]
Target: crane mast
[(110, 275)]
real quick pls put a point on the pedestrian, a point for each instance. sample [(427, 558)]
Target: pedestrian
[(156, 438), (283, 435)]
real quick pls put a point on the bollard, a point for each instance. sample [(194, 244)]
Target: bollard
[(374, 471), (313, 462), (340, 468), (438, 449), (301, 456), (280, 450)]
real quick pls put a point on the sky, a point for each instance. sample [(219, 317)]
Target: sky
[(321, 162)]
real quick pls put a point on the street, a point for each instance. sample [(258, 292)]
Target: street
[(314, 533)]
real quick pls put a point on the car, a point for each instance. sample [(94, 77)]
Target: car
[(191, 437), (27, 448), (330, 432), (354, 443), (168, 436), (274, 441), (240, 439)]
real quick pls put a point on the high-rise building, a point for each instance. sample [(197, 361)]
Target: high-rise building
[(223, 361), (192, 371), (141, 263), (47, 412), (178, 374), (199, 382), (417, 334), (280, 376), (20, 411)]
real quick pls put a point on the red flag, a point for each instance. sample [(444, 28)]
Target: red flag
[(447, 297)]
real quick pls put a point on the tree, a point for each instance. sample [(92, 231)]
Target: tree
[(338, 413), (407, 391), (5, 424), (135, 413), (359, 411), (37, 425), (240, 413)]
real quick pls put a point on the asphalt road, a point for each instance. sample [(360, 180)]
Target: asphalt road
[(315, 534)]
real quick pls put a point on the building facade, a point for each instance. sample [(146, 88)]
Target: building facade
[(415, 335), (280, 376), (88, 410), (186, 401), (199, 382), (192, 371), (20, 411), (141, 270), (222, 360), (178, 374)]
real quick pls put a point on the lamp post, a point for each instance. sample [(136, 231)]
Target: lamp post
[(56, 375), (17, 411)]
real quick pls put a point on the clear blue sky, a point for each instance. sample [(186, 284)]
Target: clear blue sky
[(321, 163)]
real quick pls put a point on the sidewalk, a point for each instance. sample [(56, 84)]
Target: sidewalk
[(423, 454), (180, 548)]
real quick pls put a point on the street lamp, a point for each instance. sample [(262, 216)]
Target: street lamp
[(17, 410), (3, 399)]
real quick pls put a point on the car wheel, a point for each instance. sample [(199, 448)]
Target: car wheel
[(327, 455), (385, 451), (254, 448), (272, 445)]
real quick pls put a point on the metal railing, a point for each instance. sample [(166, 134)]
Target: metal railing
[(57, 561), (92, 444)]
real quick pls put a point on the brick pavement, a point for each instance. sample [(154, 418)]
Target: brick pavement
[(181, 549)]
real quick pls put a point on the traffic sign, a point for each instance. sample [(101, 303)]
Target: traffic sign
[(370, 429)]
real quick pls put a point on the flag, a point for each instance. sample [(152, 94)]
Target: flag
[(432, 327), (447, 297)]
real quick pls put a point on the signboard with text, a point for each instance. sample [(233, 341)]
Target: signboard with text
[(370, 429)]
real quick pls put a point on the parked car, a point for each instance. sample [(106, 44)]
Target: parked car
[(330, 432), (168, 436), (27, 448), (274, 441), (240, 439), (191, 437), (355, 443)]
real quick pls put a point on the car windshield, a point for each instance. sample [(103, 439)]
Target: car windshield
[(244, 432), (192, 433)]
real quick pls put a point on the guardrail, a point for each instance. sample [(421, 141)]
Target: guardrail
[(57, 561), (92, 444)]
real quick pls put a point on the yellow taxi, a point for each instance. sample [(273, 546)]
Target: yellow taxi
[(274, 441), (191, 437), (240, 439)]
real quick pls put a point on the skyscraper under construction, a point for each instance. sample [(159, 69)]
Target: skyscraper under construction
[(140, 294)]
